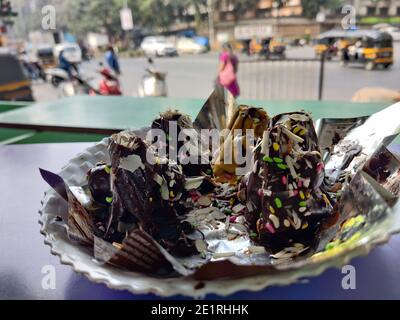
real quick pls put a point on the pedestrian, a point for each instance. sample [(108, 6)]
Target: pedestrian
[(227, 71), (112, 60)]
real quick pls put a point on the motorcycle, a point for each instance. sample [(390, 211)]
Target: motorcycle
[(153, 82)]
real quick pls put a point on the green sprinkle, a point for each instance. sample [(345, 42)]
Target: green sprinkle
[(253, 234), (107, 169), (282, 166), (332, 244), (109, 199), (267, 159), (277, 160), (278, 203), (209, 171), (303, 203)]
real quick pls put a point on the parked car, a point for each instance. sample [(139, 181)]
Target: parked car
[(188, 45), (72, 52), (158, 46)]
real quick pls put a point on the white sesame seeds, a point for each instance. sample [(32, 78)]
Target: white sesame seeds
[(286, 223), (302, 209), (275, 220)]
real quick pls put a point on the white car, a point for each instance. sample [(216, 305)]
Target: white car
[(158, 46), (187, 45), (72, 52)]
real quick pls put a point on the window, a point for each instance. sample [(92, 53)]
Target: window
[(383, 12), (262, 13), (370, 11)]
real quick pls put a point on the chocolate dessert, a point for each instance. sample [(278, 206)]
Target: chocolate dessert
[(147, 210), (285, 202), (173, 123)]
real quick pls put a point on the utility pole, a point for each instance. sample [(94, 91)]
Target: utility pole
[(211, 31)]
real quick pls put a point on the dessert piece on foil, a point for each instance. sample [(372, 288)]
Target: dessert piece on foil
[(285, 204), (173, 123), (147, 192), (244, 118)]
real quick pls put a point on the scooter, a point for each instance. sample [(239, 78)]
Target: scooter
[(108, 85), (153, 82), (57, 75)]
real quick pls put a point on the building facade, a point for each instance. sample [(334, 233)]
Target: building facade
[(381, 8), (267, 17)]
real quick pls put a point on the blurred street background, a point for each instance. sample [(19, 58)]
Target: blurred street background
[(279, 45), (193, 76)]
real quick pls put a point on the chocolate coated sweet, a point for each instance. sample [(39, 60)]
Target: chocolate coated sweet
[(283, 188)]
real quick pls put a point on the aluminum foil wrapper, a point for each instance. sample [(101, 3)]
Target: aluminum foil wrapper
[(217, 111), (351, 153)]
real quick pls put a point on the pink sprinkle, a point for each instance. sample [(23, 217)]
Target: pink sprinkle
[(260, 192), (300, 183), (269, 227), (232, 219), (194, 196), (295, 192), (284, 180), (320, 167)]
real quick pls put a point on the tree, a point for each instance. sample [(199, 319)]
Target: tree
[(94, 15)]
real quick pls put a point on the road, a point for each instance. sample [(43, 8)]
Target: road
[(194, 75)]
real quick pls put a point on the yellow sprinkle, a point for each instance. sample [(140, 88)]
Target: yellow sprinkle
[(171, 194), (275, 146), (117, 245), (302, 132), (305, 225), (297, 129), (301, 193), (326, 199), (271, 209), (308, 194)]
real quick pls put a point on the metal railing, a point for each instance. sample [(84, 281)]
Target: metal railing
[(288, 79)]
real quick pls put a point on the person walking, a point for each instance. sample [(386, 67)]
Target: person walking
[(227, 70), (112, 60)]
